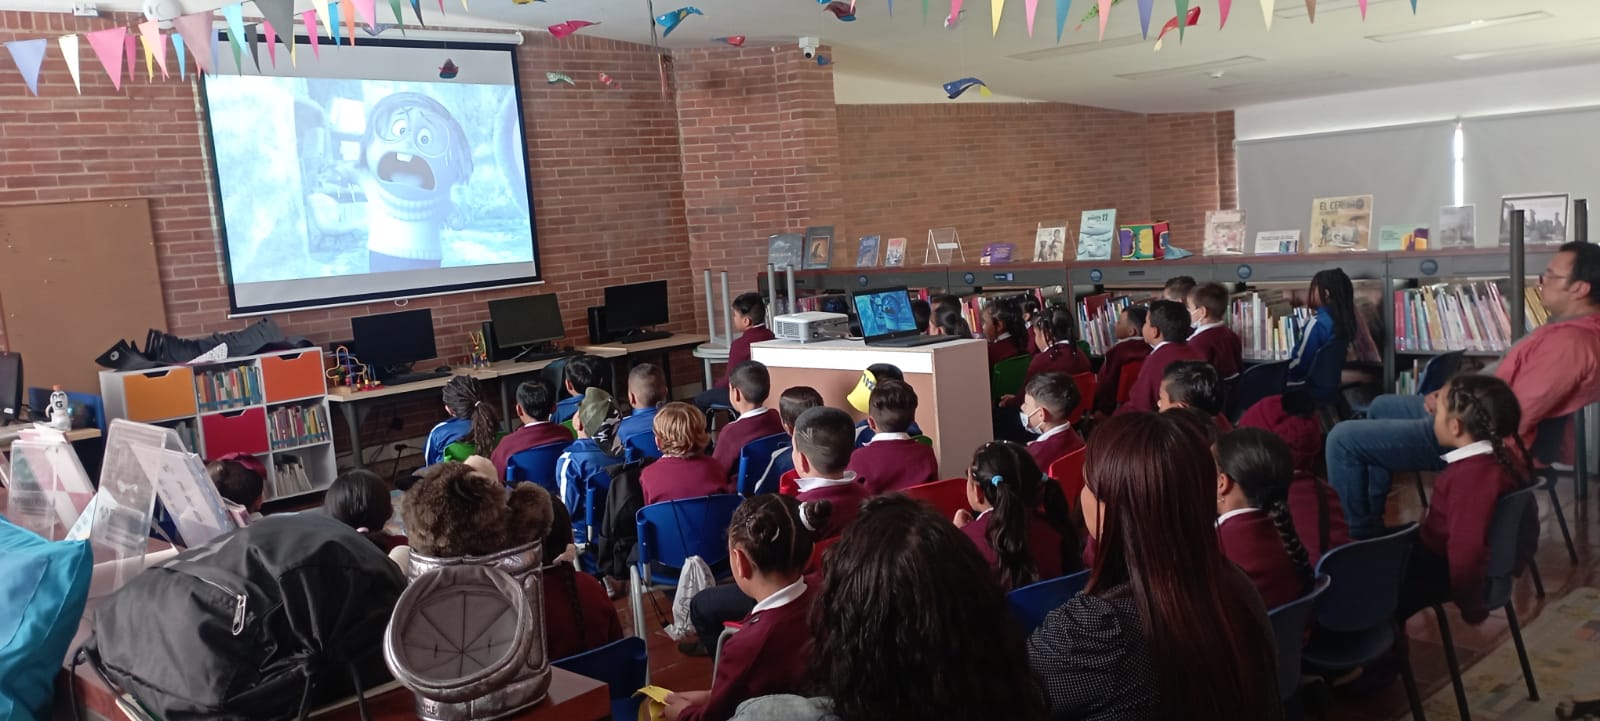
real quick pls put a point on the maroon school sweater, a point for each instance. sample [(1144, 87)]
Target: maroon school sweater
[(732, 437), (1221, 347), (1132, 350), (1148, 385), (1049, 450), (1456, 526), (564, 586), (845, 498), (739, 349), (1303, 434), (524, 438), (1252, 542), (1044, 543), (1309, 496), (768, 656), (670, 478), (1063, 357), (892, 464), (1000, 350)]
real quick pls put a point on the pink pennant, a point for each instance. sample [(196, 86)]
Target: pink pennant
[(310, 19), (195, 29), (441, 7), (1032, 8), (272, 42), (1105, 14), (1311, 10), (349, 15), (1363, 9), (130, 49), (1223, 6), (368, 10), (107, 46), (955, 14), (155, 43)]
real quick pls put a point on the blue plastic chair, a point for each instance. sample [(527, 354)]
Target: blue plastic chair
[(1289, 623), (1355, 622), (755, 463), (1504, 529), (1031, 603), (1323, 379), (671, 532), (537, 464), (624, 665), (1256, 382), (640, 446)]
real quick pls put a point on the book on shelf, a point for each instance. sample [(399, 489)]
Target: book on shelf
[(1271, 325), (1471, 316), (225, 388), (1097, 319), (828, 302), (288, 477), (293, 426), (186, 433)]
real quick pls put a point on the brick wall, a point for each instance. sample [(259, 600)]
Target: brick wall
[(1183, 153)]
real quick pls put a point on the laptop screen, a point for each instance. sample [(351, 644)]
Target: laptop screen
[(885, 313)]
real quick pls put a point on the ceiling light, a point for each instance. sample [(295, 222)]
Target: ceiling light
[(1480, 24), (1528, 49), (1206, 67), (1062, 51), (1253, 85), (1297, 10)]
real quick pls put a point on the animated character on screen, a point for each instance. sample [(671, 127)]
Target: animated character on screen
[(414, 152)]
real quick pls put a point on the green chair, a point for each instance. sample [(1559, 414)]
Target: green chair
[(1006, 378), (1083, 345), (924, 440)]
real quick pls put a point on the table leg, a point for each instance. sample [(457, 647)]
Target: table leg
[(507, 410), (666, 369), (353, 425), (706, 362)]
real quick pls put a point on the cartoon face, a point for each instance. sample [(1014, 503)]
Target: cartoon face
[(414, 150)]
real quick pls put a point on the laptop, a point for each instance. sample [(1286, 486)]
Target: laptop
[(887, 321)]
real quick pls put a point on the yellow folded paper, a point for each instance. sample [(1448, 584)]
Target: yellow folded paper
[(654, 707)]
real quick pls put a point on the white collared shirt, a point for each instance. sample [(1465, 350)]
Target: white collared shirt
[(1063, 342), (1130, 338), (752, 413), (531, 424), (1204, 328), (1001, 337), (1058, 430), (1475, 448), (1157, 347), (812, 484), (1235, 512), (783, 597), (889, 437)]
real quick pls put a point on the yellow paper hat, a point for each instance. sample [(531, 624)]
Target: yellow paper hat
[(862, 393)]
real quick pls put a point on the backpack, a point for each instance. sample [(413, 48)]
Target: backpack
[(619, 526), (262, 624)]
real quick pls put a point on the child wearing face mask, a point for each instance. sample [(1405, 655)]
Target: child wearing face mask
[(1216, 342), (1046, 401)]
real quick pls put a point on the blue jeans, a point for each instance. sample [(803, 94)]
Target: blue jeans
[(1397, 435)]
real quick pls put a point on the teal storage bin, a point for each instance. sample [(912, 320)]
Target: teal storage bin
[(43, 588)]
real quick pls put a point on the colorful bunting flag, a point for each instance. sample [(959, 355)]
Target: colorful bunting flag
[(1363, 4), (130, 50), (272, 42), (29, 56), (69, 50), (1183, 12), (1311, 10), (1146, 8), (333, 18), (1413, 7), (1266, 11), (279, 14), (177, 49), (107, 46), (441, 7), (924, 11), (251, 35), (155, 47), (995, 8), (1223, 6), (399, 19), (1105, 13), (1063, 7), (348, 12), (214, 43), (310, 19), (1031, 7), (367, 10), (234, 15), (195, 29), (416, 8)]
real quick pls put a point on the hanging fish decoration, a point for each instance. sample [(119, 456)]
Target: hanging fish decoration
[(671, 20), (555, 78), (955, 88)]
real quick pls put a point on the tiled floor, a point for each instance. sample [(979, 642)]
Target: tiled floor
[(671, 669)]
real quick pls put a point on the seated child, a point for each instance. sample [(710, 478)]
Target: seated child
[(1293, 417), (1193, 384), (360, 499), (922, 313), (578, 615), (582, 467), (1023, 526), (822, 447), (769, 545), (240, 479), (1046, 402), (1058, 353), (939, 305), (750, 318), (748, 387), (1004, 328), (714, 607), (951, 322), (684, 470), (860, 398), (580, 373), (791, 404), (1216, 342), (472, 420), (1177, 288), (647, 390), (535, 402), (1129, 348), (891, 461), (1254, 526), (1167, 331)]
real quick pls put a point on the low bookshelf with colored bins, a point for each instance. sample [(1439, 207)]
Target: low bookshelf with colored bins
[(273, 406)]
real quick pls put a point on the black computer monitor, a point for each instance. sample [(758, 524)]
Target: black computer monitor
[(638, 305), (388, 342), (526, 320)]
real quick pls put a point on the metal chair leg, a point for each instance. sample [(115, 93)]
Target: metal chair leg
[(1403, 646), (1422, 493), (1454, 663), (1538, 582), (636, 601), (1561, 518), (1522, 651)]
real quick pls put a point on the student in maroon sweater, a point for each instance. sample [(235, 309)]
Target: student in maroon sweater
[(1004, 328), (1045, 404), (891, 461), (748, 387), (1474, 416), (1129, 348), (1254, 525), (683, 470), (1293, 417), (1022, 526), (1058, 353), (1166, 330), (1193, 384), (1221, 347), (1318, 516), (750, 317), (578, 615), (536, 400), (769, 546), (823, 440)]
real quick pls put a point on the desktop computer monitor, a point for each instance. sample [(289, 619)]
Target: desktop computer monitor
[(388, 342), (639, 305), (526, 320)]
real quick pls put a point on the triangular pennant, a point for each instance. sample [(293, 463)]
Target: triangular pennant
[(1031, 7), (177, 49), (1363, 4), (416, 8), (1105, 14), (234, 15), (348, 12), (1183, 17), (1146, 8), (214, 44), (29, 57), (195, 29), (1062, 8), (1311, 10), (995, 8), (272, 42), (310, 19), (367, 10), (441, 6), (155, 46), (69, 50), (1223, 7), (1266, 12), (254, 39), (107, 46), (399, 19), (149, 57), (1413, 7), (464, 7), (130, 51), (280, 15), (334, 22)]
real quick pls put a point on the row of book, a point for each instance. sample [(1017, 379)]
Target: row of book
[(293, 426), (972, 306), (1269, 327), (288, 477), (227, 388), (187, 434), (1459, 316), (1097, 319)]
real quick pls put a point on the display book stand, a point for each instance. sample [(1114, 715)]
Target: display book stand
[(273, 406)]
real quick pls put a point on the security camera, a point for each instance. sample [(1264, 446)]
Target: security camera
[(808, 47)]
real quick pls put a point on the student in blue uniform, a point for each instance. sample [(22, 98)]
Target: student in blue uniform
[(580, 373), (582, 467), (472, 419)]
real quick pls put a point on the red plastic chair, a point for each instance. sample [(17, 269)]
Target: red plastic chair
[(946, 497), (1086, 387), (1130, 373), (1067, 472), (815, 564)]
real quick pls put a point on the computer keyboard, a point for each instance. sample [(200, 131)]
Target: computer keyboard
[(547, 355), (645, 336), (404, 378)]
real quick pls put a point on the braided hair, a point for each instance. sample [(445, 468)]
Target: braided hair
[(555, 544), (1260, 463), (1007, 314), (1010, 481), (1489, 411), (463, 395), (1056, 322), (1336, 296), (777, 532)]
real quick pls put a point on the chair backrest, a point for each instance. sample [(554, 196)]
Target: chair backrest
[(1129, 374), (1505, 530), (1256, 382), (1289, 623), (537, 464), (1366, 581), (1438, 370), (947, 496), (640, 446), (671, 532), (1031, 603), (1067, 472), (755, 460), (1007, 376), (624, 666), (1086, 387), (1551, 440), (1322, 379), (924, 439)]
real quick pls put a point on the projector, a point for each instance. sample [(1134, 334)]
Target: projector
[(811, 326)]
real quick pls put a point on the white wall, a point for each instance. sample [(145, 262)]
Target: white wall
[(1568, 87)]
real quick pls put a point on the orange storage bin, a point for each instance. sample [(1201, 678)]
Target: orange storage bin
[(160, 394), (234, 432), (293, 375)]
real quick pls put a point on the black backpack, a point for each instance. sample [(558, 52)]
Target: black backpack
[(619, 526), (263, 624)]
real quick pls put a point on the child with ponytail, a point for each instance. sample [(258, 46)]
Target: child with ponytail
[(578, 615), (769, 543), (1051, 331), (1476, 414), (1023, 526), (472, 419), (1254, 525)]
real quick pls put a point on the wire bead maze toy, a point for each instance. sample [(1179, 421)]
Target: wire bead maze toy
[(348, 370)]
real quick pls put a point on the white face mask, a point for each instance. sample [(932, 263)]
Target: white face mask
[(1025, 422)]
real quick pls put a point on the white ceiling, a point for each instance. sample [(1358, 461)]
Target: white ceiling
[(1295, 59)]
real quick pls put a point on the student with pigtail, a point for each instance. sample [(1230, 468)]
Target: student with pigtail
[(1254, 525), (578, 615), (472, 419), (1023, 526), (1475, 417)]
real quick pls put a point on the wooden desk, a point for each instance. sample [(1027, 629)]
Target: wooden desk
[(661, 349), (11, 432)]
